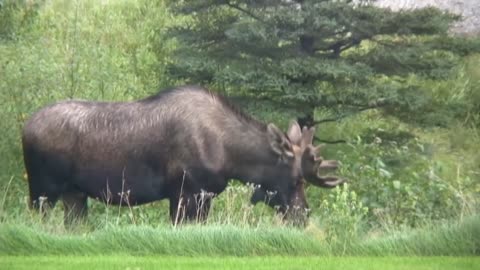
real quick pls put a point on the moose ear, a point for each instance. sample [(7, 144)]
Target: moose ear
[(278, 141), (294, 133)]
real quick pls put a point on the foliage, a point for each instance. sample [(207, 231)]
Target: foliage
[(16, 15), (342, 55), (399, 191), (342, 214), (405, 180)]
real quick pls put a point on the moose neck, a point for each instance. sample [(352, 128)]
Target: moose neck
[(251, 158)]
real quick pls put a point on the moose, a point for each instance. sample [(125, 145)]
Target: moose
[(182, 144)]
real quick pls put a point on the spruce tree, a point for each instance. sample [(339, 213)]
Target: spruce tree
[(344, 56)]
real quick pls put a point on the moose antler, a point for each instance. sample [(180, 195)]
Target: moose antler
[(314, 167)]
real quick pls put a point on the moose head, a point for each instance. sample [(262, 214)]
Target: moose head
[(315, 170)]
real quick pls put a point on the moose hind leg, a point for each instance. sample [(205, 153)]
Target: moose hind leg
[(43, 195), (75, 207)]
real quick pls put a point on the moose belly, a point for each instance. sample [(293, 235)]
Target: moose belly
[(132, 185)]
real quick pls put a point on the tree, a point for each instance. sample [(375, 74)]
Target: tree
[(344, 56)]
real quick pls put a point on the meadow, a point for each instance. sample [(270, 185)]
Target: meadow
[(264, 263), (411, 200)]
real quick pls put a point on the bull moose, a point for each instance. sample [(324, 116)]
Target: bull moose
[(179, 144)]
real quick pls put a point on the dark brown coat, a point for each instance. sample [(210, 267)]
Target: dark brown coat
[(181, 144)]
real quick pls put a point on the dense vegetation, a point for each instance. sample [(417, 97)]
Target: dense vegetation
[(333, 55), (405, 99)]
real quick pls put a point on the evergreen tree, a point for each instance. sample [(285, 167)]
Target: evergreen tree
[(341, 55)]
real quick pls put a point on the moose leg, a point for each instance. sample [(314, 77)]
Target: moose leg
[(43, 194), (75, 204)]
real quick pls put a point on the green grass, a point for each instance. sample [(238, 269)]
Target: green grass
[(143, 240), (457, 239), (129, 262), (454, 239)]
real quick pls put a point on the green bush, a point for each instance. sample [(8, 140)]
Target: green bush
[(342, 214), (405, 184)]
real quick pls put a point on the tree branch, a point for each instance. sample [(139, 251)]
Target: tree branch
[(371, 105), (239, 8), (343, 45), (329, 142), (326, 120)]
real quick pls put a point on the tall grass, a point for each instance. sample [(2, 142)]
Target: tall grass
[(235, 228), (449, 239), (454, 239)]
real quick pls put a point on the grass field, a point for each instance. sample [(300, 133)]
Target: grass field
[(259, 263), (454, 245), (450, 239)]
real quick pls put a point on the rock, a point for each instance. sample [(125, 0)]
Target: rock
[(469, 9)]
